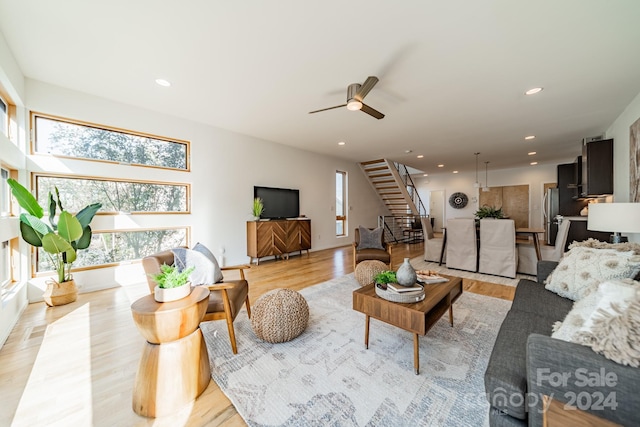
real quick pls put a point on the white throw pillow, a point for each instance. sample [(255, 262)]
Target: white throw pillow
[(582, 268), (580, 318), (206, 272), (613, 329)]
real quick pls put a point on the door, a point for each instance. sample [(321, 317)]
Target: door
[(436, 209)]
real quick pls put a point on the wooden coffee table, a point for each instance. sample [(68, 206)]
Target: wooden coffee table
[(417, 318)]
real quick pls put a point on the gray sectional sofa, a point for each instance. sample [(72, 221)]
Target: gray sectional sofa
[(527, 363)]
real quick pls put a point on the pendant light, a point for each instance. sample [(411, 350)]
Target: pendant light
[(476, 184), (486, 177)]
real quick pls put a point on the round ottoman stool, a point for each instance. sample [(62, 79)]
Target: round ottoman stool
[(367, 270), (279, 315)]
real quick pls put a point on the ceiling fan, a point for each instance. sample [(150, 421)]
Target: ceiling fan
[(355, 94)]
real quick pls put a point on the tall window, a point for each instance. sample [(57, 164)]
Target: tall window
[(341, 203), (5, 193), (69, 138), (4, 117)]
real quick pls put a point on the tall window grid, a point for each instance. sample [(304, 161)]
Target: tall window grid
[(119, 195), (341, 203)]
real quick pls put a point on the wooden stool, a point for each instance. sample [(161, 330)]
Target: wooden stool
[(174, 368)]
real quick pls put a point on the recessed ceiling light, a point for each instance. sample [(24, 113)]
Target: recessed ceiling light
[(163, 82), (530, 137), (440, 166), (533, 163), (426, 174), (420, 156), (455, 171), (531, 153), (533, 91), (341, 143)]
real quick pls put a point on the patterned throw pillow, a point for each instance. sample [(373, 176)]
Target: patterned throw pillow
[(582, 268), (370, 239)]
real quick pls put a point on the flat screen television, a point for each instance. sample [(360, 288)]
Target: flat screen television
[(278, 202)]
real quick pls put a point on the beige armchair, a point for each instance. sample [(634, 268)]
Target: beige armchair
[(225, 300), (361, 253)]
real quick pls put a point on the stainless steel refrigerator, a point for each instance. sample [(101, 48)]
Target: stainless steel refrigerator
[(551, 208)]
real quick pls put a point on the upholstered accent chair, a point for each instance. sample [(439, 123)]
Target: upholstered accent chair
[(462, 249), (498, 255), (432, 244), (365, 249), (225, 299), (527, 259)]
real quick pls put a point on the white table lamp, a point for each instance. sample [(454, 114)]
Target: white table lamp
[(614, 217)]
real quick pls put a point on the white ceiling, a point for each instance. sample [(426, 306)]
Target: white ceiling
[(452, 72)]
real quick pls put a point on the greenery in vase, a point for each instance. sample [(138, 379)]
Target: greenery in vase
[(170, 277), (489, 212), (257, 208), (385, 277), (61, 236)]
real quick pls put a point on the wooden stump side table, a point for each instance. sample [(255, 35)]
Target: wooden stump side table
[(174, 367)]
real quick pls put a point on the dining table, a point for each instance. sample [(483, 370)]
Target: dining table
[(523, 231)]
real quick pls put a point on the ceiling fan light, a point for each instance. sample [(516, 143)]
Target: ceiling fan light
[(354, 105)]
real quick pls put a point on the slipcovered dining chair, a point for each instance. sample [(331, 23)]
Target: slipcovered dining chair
[(369, 244), (225, 299), (462, 249), (432, 244), (527, 258), (498, 255)]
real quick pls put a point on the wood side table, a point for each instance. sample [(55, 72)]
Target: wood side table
[(416, 318), (174, 367)]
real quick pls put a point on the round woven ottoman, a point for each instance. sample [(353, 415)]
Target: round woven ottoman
[(279, 315), (367, 270)]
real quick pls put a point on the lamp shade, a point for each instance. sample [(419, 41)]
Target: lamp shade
[(614, 217)]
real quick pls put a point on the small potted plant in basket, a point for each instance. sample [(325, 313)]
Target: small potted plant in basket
[(172, 284), (384, 278)]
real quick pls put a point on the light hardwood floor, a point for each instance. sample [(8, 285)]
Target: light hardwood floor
[(75, 365)]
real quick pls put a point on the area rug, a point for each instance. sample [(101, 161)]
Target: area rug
[(419, 264), (326, 377)]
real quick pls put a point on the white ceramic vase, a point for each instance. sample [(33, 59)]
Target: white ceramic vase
[(406, 275), (171, 294)]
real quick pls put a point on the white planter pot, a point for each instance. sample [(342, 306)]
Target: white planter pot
[(171, 294)]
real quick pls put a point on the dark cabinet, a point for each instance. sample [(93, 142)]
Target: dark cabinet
[(567, 191), (597, 169)]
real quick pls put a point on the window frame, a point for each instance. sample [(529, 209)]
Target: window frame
[(36, 175), (341, 216), (33, 142), (34, 250)]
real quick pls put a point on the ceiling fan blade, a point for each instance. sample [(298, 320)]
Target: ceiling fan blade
[(330, 108), (366, 87), (372, 112)]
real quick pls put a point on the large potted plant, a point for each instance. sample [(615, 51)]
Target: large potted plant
[(61, 236)]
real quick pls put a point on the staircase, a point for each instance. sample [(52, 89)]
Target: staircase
[(396, 189)]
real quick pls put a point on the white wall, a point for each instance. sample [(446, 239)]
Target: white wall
[(533, 176), (620, 133)]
